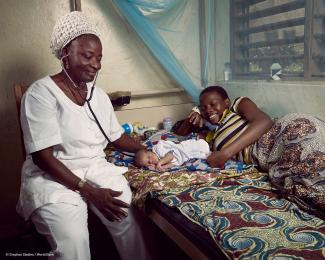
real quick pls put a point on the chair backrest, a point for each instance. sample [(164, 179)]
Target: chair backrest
[(19, 91)]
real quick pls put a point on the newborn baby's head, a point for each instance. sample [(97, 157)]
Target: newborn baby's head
[(146, 158)]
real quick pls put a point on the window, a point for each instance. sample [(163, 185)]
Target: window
[(288, 32)]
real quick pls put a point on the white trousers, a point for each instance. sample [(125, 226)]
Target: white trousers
[(66, 229)]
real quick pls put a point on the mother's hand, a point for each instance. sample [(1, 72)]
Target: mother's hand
[(217, 159), (195, 119), (193, 122), (105, 201)]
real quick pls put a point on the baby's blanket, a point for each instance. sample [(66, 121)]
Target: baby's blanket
[(126, 159)]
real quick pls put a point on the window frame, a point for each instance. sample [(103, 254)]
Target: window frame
[(310, 71)]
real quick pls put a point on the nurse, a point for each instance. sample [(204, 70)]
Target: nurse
[(65, 170)]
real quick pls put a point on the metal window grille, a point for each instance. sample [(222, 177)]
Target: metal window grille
[(288, 32)]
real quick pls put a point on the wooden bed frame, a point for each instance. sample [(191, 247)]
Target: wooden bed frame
[(194, 240)]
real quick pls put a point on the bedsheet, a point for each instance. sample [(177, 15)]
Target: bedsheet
[(237, 206), (248, 220)]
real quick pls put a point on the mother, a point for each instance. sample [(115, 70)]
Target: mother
[(291, 149)]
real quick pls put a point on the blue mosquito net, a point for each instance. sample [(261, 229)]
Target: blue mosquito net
[(178, 34)]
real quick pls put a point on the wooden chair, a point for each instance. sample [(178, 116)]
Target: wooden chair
[(19, 91), (28, 238)]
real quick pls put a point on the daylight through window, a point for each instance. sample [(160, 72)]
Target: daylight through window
[(287, 32)]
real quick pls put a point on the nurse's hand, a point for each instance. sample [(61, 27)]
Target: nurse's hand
[(105, 201)]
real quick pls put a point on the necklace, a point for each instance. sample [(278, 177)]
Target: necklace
[(78, 88), (73, 95), (74, 84), (82, 94)]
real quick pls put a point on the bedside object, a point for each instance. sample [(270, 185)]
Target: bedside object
[(120, 98)]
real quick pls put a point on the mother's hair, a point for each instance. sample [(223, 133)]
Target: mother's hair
[(220, 90)]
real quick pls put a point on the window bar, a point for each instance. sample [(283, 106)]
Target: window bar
[(274, 10), (273, 26), (249, 2), (283, 57), (308, 38), (298, 39)]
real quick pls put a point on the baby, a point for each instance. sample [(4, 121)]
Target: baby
[(166, 154)]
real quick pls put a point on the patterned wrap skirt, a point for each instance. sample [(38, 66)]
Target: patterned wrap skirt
[(293, 153)]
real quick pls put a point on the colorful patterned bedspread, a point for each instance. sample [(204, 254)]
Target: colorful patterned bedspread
[(239, 208), (248, 221)]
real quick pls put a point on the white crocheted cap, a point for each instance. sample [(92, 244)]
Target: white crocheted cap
[(68, 28)]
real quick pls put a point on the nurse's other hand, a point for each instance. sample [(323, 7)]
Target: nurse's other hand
[(105, 201)]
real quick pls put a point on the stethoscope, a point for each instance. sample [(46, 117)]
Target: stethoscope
[(87, 100), (75, 85)]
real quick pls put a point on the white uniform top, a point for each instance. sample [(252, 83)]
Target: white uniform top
[(50, 118), (182, 151)]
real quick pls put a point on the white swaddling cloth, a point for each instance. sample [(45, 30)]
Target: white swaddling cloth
[(183, 151)]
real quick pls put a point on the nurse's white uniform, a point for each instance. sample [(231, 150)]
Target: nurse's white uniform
[(50, 119)]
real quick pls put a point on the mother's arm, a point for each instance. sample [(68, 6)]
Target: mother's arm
[(258, 124), (103, 199)]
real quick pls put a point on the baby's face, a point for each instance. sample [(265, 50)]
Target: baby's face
[(150, 160)]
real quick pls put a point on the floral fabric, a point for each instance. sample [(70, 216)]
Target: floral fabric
[(293, 153), (248, 220)]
